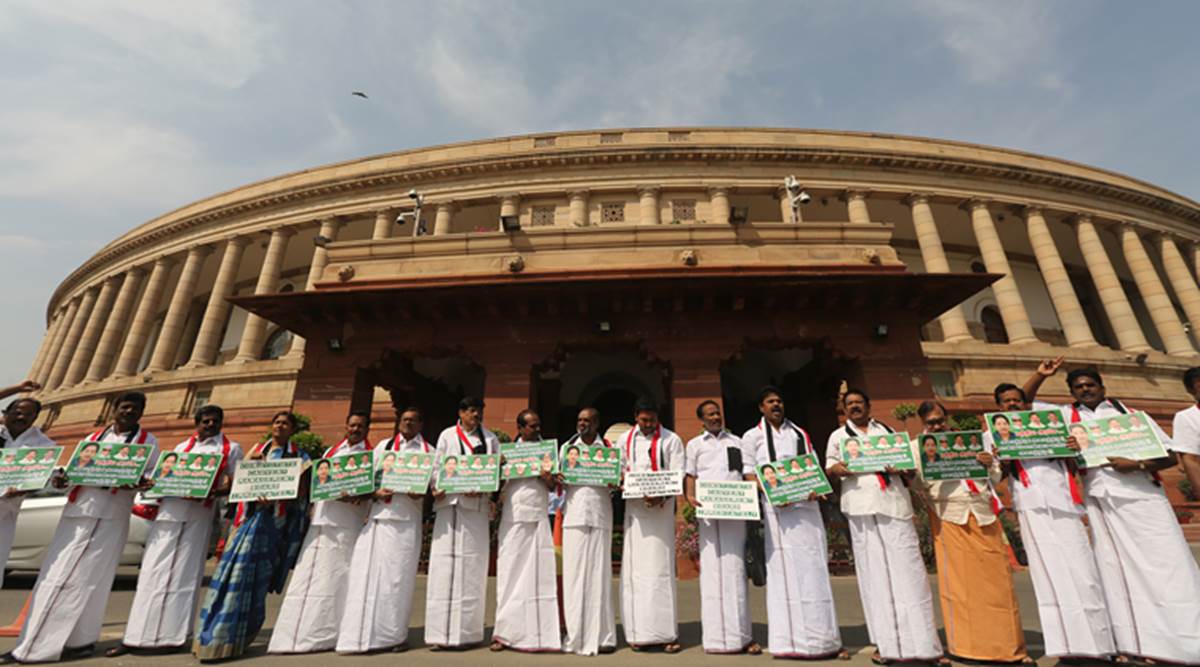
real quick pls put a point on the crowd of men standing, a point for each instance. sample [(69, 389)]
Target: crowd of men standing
[(1122, 586)]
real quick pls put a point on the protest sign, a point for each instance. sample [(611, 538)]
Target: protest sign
[(184, 475), (1028, 434), (27, 468), (585, 465), (727, 500), (273, 479), (951, 455), (652, 483), (470, 473), (406, 472), (1126, 436), (343, 475), (874, 453), (793, 479), (528, 459), (107, 464)]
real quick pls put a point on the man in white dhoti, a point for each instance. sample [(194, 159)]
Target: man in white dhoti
[(164, 606), (316, 594), (1150, 578), (648, 611), (892, 580), (458, 557), (717, 454), (587, 555), (801, 618), (76, 578), (17, 431), (1062, 564), (526, 580), (384, 566)]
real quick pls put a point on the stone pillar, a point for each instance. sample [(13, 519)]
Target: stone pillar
[(510, 204), (856, 207), (785, 206), (143, 318), (1008, 297), (254, 334), (648, 206), (1181, 280), (1108, 288), (718, 202), (385, 220), (1162, 311), (320, 258), (443, 217), (61, 325), (933, 255), (91, 332), (181, 301), (208, 340), (44, 347), (66, 356), (106, 349), (578, 208), (1058, 283)]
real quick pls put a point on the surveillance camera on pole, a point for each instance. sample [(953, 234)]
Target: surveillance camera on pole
[(418, 223), (797, 196)]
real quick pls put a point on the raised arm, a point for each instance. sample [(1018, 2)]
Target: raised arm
[(1045, 369), (24, 387)]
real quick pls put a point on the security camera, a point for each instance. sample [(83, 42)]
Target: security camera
[(804, 197), (416, 196)]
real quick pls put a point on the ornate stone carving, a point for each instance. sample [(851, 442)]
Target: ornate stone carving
[(346, 273), (689, 257), (514, 263)]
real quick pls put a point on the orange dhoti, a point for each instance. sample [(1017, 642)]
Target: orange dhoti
[(979, 605)]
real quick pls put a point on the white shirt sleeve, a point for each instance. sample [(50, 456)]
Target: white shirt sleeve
[(674, 453), (1186, 438), (691, 454), (833, 449)]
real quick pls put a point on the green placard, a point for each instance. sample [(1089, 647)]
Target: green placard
[(405, 472), (343, 475), (951, 455), (793, 479), (273, 479), (529, 459), (1128, 436), (1028, 434), (469, 473), (874, 453), (107, 463), (184, 475), (27, 468), (584, 465)]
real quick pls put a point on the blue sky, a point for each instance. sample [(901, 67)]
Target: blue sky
[(118, 111)]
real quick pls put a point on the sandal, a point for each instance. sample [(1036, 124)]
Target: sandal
[(496, 647), (117, 651), (878, 659), (843, 654), (672, 647), (754, 649)]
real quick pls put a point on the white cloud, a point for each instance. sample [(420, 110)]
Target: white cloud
[(995, 41)]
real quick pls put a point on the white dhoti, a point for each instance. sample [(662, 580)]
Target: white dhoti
[(724, 605), (526, 587), (8, 531), (587, 590), (72, 588), (894, 587), (648, 574), (801, 618), (1071, 604), (1149, 576), (457, 582), (380, 586), (164, 606), (316, 594)]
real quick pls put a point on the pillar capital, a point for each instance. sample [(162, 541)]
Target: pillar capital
[(648, 190), (975, 204), (1077, 219), (446, 205), (509, 197), (1026, 210), (579, 193), (239, 240), (854, 194), (719, 190), (200, 249), (917, 198)]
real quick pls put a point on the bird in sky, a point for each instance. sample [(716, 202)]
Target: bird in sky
[(359, 93)]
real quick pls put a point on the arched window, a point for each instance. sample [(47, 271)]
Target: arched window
[(277, 345), (993, 325)]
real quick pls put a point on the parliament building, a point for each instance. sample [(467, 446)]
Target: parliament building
[(596, 267)]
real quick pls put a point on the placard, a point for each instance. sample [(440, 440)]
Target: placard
[(1028, 434), (727, 500), (184, 475), (27, 468), (652, 483), (1128, 436), (273, 479), (951, 455), (793, 479), (343, 475), (529, 459), (590, 465), (874, 453), (469, 473), (406, 472), (107, 464)]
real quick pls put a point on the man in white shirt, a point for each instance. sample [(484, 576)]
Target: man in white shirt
[(383, 568), (587, 555), (1150, 578), (526, 581), (892, 579), (648, 610), (316, 595), (801, 618), (17, 431), (717, 454), (164, 606), (1186, 431), (456, 588), (67, 610)]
